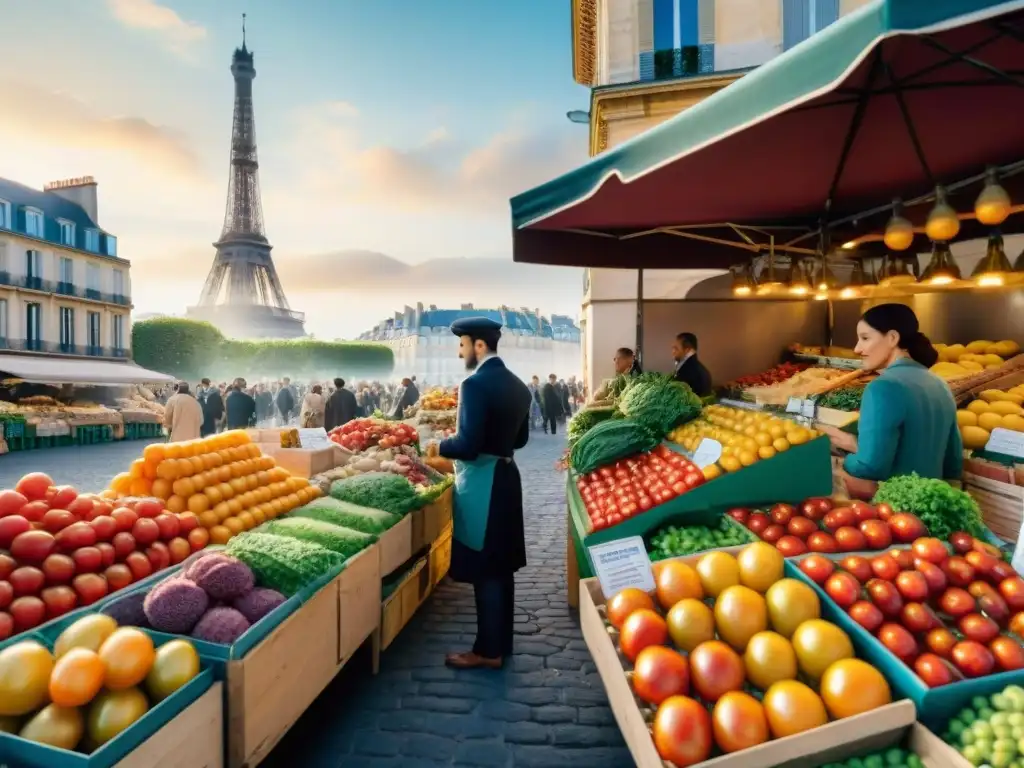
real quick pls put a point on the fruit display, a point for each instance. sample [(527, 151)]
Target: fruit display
[(403, 460), (947, 615), (842, 399), (746, 436), (994, 408), (942, 508), (60, 550), (959, 360), (676, 541), (636, 484), (805, 384), (99, 679), (359, 434), (824, 525), (776, 375), (439, 400), (991, 730), (728, 654), (224, 480)]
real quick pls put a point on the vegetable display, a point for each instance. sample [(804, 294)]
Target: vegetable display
[(658, 402), (380, 490), (894, 757), (585, 420), (824, 525), (636, 484), (60, 550), (743, 627), (842, 399), (779, 373), (946, 616), (343, 513), (344, 541), (224, 480), (675, 541), (608, 442), (991, 730), (359, 434), (942, 508), (98, 680), (283, 563)]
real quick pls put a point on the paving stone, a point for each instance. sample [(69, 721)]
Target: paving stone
[(527, 733), (554, 713), (505, 711), (487, 754), (440, 704)]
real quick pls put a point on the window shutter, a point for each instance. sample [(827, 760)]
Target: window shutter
[(825, 12), (796, 22), (706, 22)]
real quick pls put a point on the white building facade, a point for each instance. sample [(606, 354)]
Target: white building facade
[(531, 345)]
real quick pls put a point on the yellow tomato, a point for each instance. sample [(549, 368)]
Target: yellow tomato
[(768, 659), (690, 623), (25, 669), (851, 686), (717, 571), (793, 708), (761, 565), (740, 613), (818, 645), (790, 604)]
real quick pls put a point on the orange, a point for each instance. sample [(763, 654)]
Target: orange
[(135, 470), (214, 495), (198, 503), (162, 489), (184, 487), (222, 511), (197, 464), (173, 451), (167, 469), (127, 657), (851, 686), (793, 708), (676, 581), (121, 483), (208, 519), (139, 487), (76, 678), (214, 460), (247, 520), (149, 470), (220, 535), (200, 481), (155, 452), (234, 525), (176, 504), (184, 468)]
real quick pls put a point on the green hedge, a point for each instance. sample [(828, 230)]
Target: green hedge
[(191, 350)]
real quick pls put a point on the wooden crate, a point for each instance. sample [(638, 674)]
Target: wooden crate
[(1002, 504), (358, 603), (428, 523), (269, 689), (441, 556), (193, 739), (395, 546), (303, 462), (402, 604)]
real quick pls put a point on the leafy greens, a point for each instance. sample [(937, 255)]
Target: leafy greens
[(941, 507)]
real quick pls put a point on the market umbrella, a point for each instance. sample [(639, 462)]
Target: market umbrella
[(889, 101)]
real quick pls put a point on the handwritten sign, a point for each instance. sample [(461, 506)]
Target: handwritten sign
[(621, 564), (795, 405), (809, 409), (708, 452), (1006, 442), (313, 439)]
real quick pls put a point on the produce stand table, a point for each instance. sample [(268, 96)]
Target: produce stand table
[(193, 739)]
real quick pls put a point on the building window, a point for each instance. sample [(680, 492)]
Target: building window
[(3, 257), (5, 215), (67, 233), (92, 240), (92, 280), (803, 18), (111, 245), (33, 223), (33, 325), (95, 340), (33, 264), (3, 319), (118, 332), (118, 282), (67, 270), (67, 328)]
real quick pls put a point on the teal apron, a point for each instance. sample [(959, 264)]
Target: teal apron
[(472, 500)]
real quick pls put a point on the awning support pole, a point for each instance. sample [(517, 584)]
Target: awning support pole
[(640, 316)]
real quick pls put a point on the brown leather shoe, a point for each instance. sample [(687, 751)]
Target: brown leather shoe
[(470, 660)]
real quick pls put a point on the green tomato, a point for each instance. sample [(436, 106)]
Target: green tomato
[(984, 746), (913, 761), (1002, 731), (986, 713), (1002, 759), (967, 737), (894, 756), (982, 731), (956, 727), (967, 716), (972, 755), (980, 702), (1000, 718), (1004, 745), (854, 762)]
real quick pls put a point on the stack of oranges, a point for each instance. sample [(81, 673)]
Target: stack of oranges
[(223, 479)]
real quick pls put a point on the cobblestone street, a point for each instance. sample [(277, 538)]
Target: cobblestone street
[(547, 708)]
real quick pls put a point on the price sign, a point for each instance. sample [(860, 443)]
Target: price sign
[(1017, 561), (621, 564), (708, 452), (313, 439), (1006, 442), (808, 409), (794, 406)]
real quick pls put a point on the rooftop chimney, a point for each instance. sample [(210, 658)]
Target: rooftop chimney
[(81, 191)]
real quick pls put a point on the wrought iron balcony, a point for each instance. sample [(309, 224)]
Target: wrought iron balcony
[(119, 352), (63, 288), (66, 289), (94, 294), (61, 348)]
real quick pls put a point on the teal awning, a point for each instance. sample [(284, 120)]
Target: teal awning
[(888, 101)]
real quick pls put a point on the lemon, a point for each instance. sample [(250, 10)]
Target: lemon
[(767, 451), (781, 444), (711, 471), (747, 458), (974, 437), (978, 406), (967, 418), (1014, 422), (730, 463)]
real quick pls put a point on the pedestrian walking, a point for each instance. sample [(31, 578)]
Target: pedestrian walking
[(342, 406), (551, 402), (314, 404), (240, 406), (183, 415), (488, 544)]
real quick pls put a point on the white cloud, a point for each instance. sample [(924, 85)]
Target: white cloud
[(179, 35)]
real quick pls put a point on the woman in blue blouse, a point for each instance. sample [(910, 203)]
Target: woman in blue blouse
[(907, 415)]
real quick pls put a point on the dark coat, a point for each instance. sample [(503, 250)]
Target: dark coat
[(213, 411), (285, 402), (693, 373), (550, 401), (341, 409), (494, 419), (241, 410), (264, 405), (409, 398)]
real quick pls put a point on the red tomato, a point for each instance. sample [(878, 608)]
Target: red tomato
[(1012, 591), (1002, 570), (867, 615), (962, 542), (816, 509), (757, 522), (919, 618), (958, 571), (935, 671), (6, 594), (876, 534), (87, 559), (1008, 653), (885, 567), (940, 642), (903, 557), (145, 531), (660, 672), (188, 521), (125, 518), (801, 527), (912, 585), (930, 549), (107, 553), (124, 545), (885, 512), (58, 569), (27, 580), (773, 533), (905, 527), (840, 517), (179, 549), (34, 511), (89, 587), (7, 565), (149, 507), (82, 508), (27, 612), (885, 596), (11, 527), (56, 520), (641, 629), (118, 577), (979, 628), (933, 575), (168, 525), (843, 588), (791, 546), (817, 568), (850, 539), (11, 503), (59, 600), (819, 541), (973, 659), (159, 556), (6, 625), (682, 732), (105, 527), (899, 641), (61, 496), (75, 536), (715, 669), (957, 602), (863, 512), (858, 567), (34, 486), (781, 514)]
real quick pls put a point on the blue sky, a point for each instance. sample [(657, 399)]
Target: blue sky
[(386, 125)]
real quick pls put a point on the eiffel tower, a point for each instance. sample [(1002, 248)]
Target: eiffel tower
[(243, 296)]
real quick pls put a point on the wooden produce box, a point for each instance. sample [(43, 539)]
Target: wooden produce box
[(272, 685), (858, 734), (358, 602), (302, 462), (429, 522), (1002, 504), (440, 556), (932, 750), (395, 546), (402, 604), (193, 739)]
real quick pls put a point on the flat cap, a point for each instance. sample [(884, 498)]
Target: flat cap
[(470, 326)]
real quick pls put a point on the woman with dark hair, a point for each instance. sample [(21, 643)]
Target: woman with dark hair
[(907, 415)]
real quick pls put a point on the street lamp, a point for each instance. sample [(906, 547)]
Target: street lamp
[(578, 116)]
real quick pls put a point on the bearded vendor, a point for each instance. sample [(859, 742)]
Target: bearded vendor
[(907, 415), (488, 542)]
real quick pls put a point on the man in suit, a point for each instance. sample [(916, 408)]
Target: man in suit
[(488, 544), (239, 406), (689, 369), (341, 406), (551, 404), (213, 408)]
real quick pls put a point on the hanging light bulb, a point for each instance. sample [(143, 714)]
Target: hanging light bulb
[(823, 280), (742, 281), (899, 233), (993, 204), (859, 282), (942, 269), (994, 268), (943, 224), (897, 270), (797, 284), (768, 282)]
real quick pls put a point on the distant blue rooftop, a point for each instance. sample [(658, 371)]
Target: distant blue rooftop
[(560, 326), (53, 207)]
